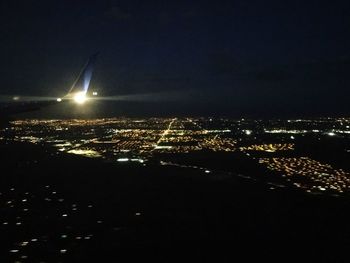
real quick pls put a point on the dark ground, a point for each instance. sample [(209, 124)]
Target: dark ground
[(158, 213)]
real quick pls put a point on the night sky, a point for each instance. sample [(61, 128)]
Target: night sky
[(225, 58)]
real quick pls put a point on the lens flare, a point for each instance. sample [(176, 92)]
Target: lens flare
[(80, 97)]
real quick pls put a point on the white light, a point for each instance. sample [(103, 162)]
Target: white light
[(248, 132), (59, 99), (162, 147), (122, 159), (94, 93), (80, 97), (292, 137), (331, 133), (137, 160)]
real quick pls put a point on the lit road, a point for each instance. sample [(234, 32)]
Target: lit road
[(165, 132)]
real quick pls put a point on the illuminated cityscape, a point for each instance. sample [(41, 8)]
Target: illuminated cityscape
[(278, 145), (321, 176), (174, 131)]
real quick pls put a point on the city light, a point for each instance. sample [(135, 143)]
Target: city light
[(145, 140), (248, 132), (309, 174)]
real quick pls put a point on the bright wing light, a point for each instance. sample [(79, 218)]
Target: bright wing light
[(80, 97)]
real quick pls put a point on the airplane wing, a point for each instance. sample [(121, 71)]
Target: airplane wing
[(77, 92), (81, 84), (11, 108)]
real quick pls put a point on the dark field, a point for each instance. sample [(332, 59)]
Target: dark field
[(82, 209)]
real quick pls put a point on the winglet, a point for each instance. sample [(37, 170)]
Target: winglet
[(81, 84)]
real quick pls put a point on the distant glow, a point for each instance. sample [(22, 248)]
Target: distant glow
[(130, 160), (162, 147), (286, 131), (80, 97), (15, 98), (248, 132), (269, 147), (341, 131), (94, 93), (292, 137), (87, 153), (137, 160), (216, 131), (59, 99), (331, 133), (122, 159)]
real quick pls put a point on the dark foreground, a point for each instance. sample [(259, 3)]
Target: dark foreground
[(64, 208)]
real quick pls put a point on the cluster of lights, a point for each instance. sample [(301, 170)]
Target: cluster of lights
[(269, 147), (133, 137), (85, 152), (282, 131), (119, 139), (20, 210), (309, 174)]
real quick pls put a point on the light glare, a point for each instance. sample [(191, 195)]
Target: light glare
[(80, 97)]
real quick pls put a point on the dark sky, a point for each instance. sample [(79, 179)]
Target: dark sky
[(232, 57)]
